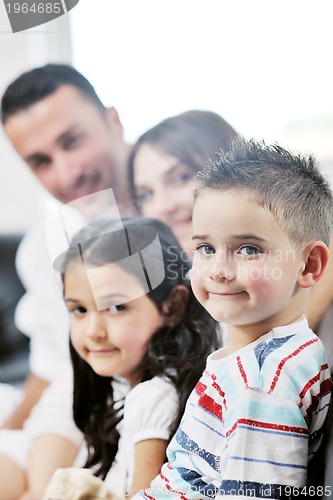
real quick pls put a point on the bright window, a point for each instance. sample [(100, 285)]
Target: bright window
[(258, 63)]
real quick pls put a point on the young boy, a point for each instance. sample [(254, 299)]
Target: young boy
[(261, 225)]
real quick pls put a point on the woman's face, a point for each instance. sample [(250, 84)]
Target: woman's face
[(164, 186)]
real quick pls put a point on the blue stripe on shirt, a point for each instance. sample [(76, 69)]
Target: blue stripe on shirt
[(245, 459), (188, 444)]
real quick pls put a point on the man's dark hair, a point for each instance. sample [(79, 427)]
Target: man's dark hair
[(38, 83)]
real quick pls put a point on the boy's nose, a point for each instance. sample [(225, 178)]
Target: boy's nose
[(223, 271)]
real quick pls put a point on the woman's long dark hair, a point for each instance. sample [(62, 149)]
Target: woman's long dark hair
[(176, 352)]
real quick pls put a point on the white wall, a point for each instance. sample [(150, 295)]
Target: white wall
[(21, 198), (260, 64)]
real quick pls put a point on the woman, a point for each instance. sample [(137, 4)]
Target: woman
[(164, 161)]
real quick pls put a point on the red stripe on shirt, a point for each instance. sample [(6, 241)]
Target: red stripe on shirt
[(308, 386), (325, 385), (216, 386), (242, 371), (266, 425), (168, 487), (207, 402), (325, 388), (287, 358)]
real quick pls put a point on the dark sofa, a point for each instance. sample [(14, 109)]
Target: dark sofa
[(14, 346)]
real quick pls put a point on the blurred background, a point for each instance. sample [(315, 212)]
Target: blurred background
[(264, 65)]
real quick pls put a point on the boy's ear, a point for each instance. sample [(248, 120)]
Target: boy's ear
[(174, 306), (316, 257)]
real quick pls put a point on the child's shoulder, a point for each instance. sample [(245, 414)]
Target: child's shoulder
[(290, 361), (156, 387), (150, 406), (154, 395), (292, 346), (282, 338), (287, 362), (285, 352)]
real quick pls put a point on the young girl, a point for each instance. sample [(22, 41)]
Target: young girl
[(151, 345)]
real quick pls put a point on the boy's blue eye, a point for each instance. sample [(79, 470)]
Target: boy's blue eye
[(249, 250), (205, 249)]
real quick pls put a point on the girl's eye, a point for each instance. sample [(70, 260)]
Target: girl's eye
[(78, 310), (249, 250), (116, 309), (205, 249)]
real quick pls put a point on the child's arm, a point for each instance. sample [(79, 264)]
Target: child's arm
[(267, 447), (149, 411), (55, 439), (33, 389), (272, 436), (148, 460), (48, 454)]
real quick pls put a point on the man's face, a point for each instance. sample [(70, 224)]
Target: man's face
[(73, 147)]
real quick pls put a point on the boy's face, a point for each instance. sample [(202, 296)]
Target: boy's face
[(245, 267), (71, 147)]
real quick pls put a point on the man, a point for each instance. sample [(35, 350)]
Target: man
[(75, 147)]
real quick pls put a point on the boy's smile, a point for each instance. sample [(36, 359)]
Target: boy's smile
[(245, 268)]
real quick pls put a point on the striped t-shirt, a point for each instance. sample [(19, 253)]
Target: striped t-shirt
[(253, 421)]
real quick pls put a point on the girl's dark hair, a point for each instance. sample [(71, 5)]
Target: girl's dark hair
[(176, 352), (193, 137)]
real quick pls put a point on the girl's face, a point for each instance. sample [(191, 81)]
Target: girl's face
[(245, 270), (164, 187), (114, 340)]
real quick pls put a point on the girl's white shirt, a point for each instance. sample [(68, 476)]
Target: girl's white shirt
[(149, 410)]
